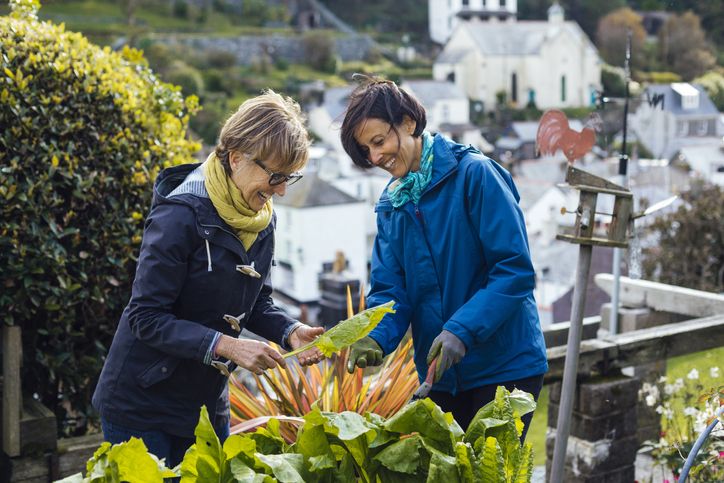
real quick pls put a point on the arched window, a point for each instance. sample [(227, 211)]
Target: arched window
[(563, 88), (514, 87)]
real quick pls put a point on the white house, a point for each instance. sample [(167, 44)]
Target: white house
[(705, 161), (448, 111), (445, 15), (675, 116), (552, 63), (314, 221)]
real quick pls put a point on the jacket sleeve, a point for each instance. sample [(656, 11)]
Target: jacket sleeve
[(268, 320), (492, 202), (387, 282), (168, 240)]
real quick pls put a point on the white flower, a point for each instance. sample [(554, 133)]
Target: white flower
[(669, 389), (650, 400), (668, 413), (690, 411), (662, 379), (693, 374), (678, 385), (660, 409), (714, 372)]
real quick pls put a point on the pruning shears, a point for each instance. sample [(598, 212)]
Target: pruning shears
[(424, 389)]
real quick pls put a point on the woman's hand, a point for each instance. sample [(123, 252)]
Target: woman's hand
[(304, 335), (250, 354)]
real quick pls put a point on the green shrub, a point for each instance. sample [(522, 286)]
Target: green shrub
[(85, 131), (713, 83), (186, 77)]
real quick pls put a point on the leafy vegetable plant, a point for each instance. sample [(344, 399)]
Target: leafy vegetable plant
[(348, 331), (419, 443)]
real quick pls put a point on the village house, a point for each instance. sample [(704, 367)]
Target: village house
[(448, 111), (547, 63), (676, 116), (315, 220)]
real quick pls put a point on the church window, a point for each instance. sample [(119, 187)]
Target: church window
[(563, 88), (514, 87)]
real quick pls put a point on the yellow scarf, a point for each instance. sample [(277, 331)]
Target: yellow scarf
[(231, 206)]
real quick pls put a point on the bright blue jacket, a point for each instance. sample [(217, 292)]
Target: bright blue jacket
[(459, 261)]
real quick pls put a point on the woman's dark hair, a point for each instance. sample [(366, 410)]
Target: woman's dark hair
[(377, 98)]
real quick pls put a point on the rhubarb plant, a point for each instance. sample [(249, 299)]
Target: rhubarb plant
[(419, 443)]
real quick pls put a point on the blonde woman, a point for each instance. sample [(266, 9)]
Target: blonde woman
[(202, 276)]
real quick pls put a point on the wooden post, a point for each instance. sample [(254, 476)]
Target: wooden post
[(12, 391)]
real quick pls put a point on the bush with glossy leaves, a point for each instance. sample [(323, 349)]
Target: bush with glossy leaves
[(84, 132)]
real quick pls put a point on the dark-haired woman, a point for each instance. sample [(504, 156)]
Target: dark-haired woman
[(451, 250)]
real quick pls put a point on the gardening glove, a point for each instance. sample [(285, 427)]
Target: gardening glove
[(365, 352), (449, 349)]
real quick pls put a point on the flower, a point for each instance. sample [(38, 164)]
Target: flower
[(650, 400), (690, 411), (714, 372), (693, 374)]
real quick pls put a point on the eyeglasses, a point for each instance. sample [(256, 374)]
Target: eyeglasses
[(275, 179)]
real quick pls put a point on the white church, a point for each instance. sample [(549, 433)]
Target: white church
[(487, 52)]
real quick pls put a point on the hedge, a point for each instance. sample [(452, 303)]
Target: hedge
[(85, 131)]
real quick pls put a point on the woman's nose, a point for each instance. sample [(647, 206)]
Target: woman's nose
[(280, 189), (375, 156)]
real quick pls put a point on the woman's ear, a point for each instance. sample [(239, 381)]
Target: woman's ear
[(235, 159), (409, 124)]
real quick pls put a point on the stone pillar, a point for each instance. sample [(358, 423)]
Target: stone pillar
[(636, 318), (603, 442)]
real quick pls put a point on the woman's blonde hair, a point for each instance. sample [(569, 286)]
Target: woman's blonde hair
[(266, 127)]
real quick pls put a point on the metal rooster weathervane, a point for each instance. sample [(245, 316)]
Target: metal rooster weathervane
[(554, 133)]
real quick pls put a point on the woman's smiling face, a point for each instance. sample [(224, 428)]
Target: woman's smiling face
[(253, 181), (393, 149)]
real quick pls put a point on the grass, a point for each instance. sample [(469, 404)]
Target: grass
[(676, 367)]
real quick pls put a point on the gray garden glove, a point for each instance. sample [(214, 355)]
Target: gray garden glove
[(449, 349), (365, 352)]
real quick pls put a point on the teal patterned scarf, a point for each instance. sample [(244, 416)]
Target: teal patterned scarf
[(411, 186)]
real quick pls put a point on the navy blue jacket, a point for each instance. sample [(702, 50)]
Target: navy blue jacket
[(459, 261), (157, 374)]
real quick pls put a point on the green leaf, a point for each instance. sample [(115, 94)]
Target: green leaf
[(443, 467), (239, 445), (425, 417), (524, 471), (241, 472), (348, 331), (492, 463), (287, 468), (402, 456), (468, 465), (131, 461), (206, 459)]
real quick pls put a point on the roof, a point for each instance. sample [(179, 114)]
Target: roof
[(335, 101), (311, 191), (672, 100), (528, 130), (507, 142), (519, 38), (430, 91), (452, 56)]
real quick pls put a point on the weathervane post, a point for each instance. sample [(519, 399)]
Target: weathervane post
[(622, 169)]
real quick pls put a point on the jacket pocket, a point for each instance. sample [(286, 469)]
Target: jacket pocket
[(157, 371)]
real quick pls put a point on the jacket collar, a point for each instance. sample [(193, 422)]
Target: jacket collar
[(206, 214), (447, 154)]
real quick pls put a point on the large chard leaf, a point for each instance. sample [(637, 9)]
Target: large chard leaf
[(437, 428), (348, 331)]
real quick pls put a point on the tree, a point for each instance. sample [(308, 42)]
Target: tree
[(586, 13), (683, 46), (690, 248), (85, 131), (611, 37), (713, 83)]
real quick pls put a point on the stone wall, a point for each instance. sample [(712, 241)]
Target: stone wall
[(603, 437), (250, 49)]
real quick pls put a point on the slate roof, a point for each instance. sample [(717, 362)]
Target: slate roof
[(335, 102), (311, 191), (672, 101), (519, 38), (430, 91)]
